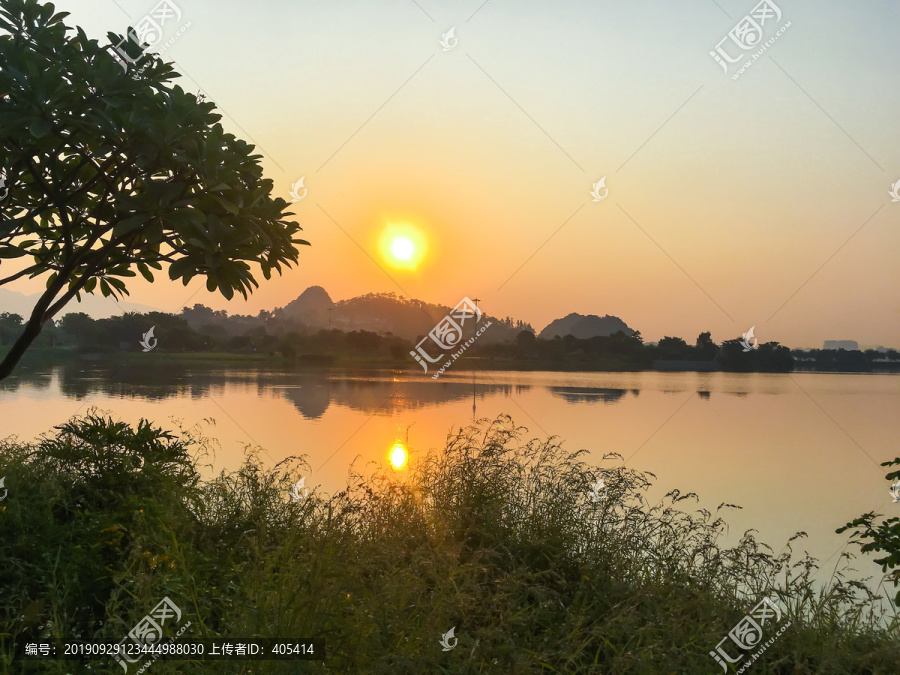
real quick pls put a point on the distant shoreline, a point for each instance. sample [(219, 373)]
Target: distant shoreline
[(65, 356)]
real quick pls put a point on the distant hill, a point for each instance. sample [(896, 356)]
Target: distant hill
[(581, 326), (383, 313), (95, 306), (311, 307)]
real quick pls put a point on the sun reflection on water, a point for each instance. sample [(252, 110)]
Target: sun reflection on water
[(399, 455)]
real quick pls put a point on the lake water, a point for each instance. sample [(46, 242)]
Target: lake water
[(797, 452)]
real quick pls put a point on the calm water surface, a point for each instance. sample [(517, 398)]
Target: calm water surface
[(798, 452)]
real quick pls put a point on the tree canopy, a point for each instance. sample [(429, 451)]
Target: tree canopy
[(113, 173)]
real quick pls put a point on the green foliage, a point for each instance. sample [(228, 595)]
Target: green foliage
[(617, 350), (848, 361), (85, 506), (494, 534), (107, 335), (673, 348), (770, 357), (883, 537), (526, 344), (113, 173), (10, 327), (706, 348), (190, 332)]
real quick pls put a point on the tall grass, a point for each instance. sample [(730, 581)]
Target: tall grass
[(496, 534)]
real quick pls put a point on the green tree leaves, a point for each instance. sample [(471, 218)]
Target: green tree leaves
[(111, 170)]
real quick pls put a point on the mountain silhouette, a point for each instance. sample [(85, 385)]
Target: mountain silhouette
[(385, 313), (93, 305), (313, 395), (581, 326), (311, 307)]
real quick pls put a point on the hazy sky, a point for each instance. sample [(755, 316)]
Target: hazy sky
[(725, 196)]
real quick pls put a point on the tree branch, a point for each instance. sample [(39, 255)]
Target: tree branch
[(32, 327), (19, 275)]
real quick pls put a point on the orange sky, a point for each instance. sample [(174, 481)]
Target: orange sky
[(725, 196)]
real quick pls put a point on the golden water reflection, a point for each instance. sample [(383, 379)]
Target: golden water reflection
[(399, 455)]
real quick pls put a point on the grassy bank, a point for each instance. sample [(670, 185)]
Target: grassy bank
[(496, 535)]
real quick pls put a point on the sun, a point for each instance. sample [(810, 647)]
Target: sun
[(398, 455), (402, 246)]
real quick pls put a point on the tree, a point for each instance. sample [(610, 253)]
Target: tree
[(706, 348), (80, 328), (111, 171), (526, 338), (525, 344), (770, 357), (674, 348), (10, 325)]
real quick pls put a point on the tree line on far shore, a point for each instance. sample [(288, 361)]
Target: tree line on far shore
[(268, 334)]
